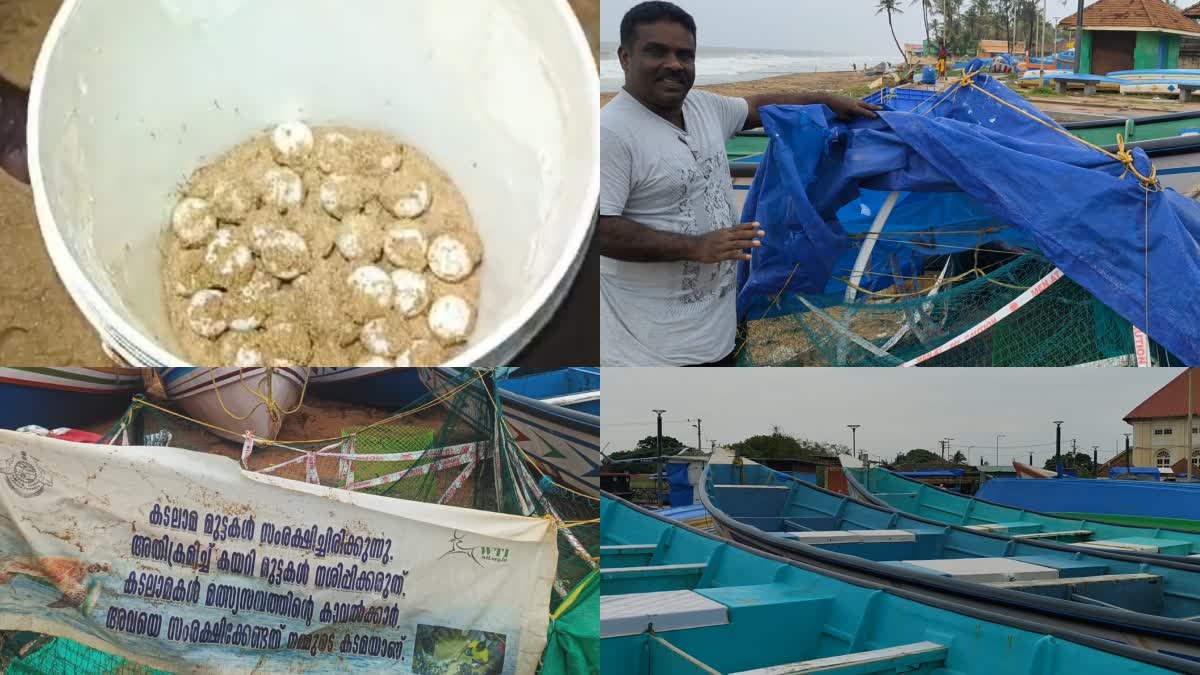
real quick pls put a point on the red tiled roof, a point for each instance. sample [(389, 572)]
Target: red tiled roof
[(1133, 14), (1170, 401), (1192, 12)]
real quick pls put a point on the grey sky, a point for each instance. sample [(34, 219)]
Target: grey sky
[(898, 409), (836, 26)]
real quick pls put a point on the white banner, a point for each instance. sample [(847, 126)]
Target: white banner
[(182, 561)]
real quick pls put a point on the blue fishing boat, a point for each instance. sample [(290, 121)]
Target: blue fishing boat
[(885, 488), (572, 388), (774, 512), (675, 600), (564, 443), (64, 397), (1129, 501)]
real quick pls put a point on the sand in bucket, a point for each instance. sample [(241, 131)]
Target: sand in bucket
[(499, 94)]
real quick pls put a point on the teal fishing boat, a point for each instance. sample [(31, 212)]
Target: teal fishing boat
[(1157, 598), (677, 601), (884, 488)]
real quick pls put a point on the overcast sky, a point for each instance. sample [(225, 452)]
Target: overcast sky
[(836, 26), (898, 409)]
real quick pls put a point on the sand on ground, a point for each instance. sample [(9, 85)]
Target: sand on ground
[(39, 323), (838, 82)]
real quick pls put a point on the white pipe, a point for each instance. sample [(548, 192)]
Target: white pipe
[(864, 255)]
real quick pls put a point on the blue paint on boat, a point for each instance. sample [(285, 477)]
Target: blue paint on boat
[(755, 505), (571, 384), (1112, 497), (891, 490), (677, 601), (390, 388), (22, 405)]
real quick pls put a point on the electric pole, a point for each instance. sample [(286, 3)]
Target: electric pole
[(659, 478), (1095, 460), (1058, 467), (853, 439), (1079, 38), (697, 425), (1128, 452)]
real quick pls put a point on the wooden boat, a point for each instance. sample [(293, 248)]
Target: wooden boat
[(1026, 471), (564, 443), (236, 400), (677, 600), (774, 512), (1158, 81), (889, 490), (391, 388), (64, 397), (1147, 504)]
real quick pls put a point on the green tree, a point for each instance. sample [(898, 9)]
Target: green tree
[(891, 7), (647, 447), (785, 446), (959, 457), (1080, 461), (918, 456)]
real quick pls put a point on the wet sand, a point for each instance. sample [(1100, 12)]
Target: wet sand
[(836, 82), (39, 323)]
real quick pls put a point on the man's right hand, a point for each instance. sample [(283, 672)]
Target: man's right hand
[(729, 244)]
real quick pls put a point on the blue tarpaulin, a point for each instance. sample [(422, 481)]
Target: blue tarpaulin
[(681, 489), (966, 163)]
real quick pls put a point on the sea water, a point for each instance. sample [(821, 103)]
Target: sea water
[(722, 64)]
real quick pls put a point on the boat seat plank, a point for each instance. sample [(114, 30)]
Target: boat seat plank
[(848, 536), (627, 549), (1054, 535), (901, 658), (1066, 566), (986, 569), (653, 570), (1017, 527), (1100, 579), (1142, 545), (634, 613), (752, 487)]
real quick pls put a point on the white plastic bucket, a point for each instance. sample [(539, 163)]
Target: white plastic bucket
[(130, 96)]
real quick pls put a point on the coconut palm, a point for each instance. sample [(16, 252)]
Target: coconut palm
[(890, 6)]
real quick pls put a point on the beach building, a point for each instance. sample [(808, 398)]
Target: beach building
[(1131, 35), (1160, 428), (989, 48), (1189, 46)]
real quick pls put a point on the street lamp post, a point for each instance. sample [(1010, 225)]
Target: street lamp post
[(1128, 459), (658, 486), (998, 437), (854, 439), (1058, 467)]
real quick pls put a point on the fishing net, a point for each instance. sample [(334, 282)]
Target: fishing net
[(449, 447), (987, 320)]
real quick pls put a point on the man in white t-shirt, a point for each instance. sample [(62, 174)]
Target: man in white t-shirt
[(668, 235)]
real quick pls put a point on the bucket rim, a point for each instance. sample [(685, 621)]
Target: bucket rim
[(499, 346)]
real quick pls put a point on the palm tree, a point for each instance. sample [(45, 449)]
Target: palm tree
[(890, 7), (926, 9)]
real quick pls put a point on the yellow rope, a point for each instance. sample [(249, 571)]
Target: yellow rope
[(268, 400)]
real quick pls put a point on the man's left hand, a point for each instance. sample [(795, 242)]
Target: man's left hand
[(847, 108)]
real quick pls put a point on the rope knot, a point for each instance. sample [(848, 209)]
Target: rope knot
[(1150, 183)]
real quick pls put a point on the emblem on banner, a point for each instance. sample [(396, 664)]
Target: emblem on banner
[(25, 475), (475, 553)]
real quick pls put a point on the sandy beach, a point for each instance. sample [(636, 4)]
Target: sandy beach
[(39, 323), (845, 82)]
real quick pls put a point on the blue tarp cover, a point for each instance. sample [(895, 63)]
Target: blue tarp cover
[(681, 490), (968, 164)]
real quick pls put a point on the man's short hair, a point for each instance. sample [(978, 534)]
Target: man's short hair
[(653, 12)]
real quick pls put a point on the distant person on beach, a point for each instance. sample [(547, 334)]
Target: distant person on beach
[(941, 64), (854, 67), (14, 102), (668, 238)]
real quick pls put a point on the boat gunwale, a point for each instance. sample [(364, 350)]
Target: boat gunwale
[(878, 502), (1089, 613), (1179, 664)]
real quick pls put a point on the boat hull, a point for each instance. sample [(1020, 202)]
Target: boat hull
[(565, 443), (1139, 499), (573, 388), (764, 602), (64, 397), (905, 550), (390, 388), (231, 399)]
